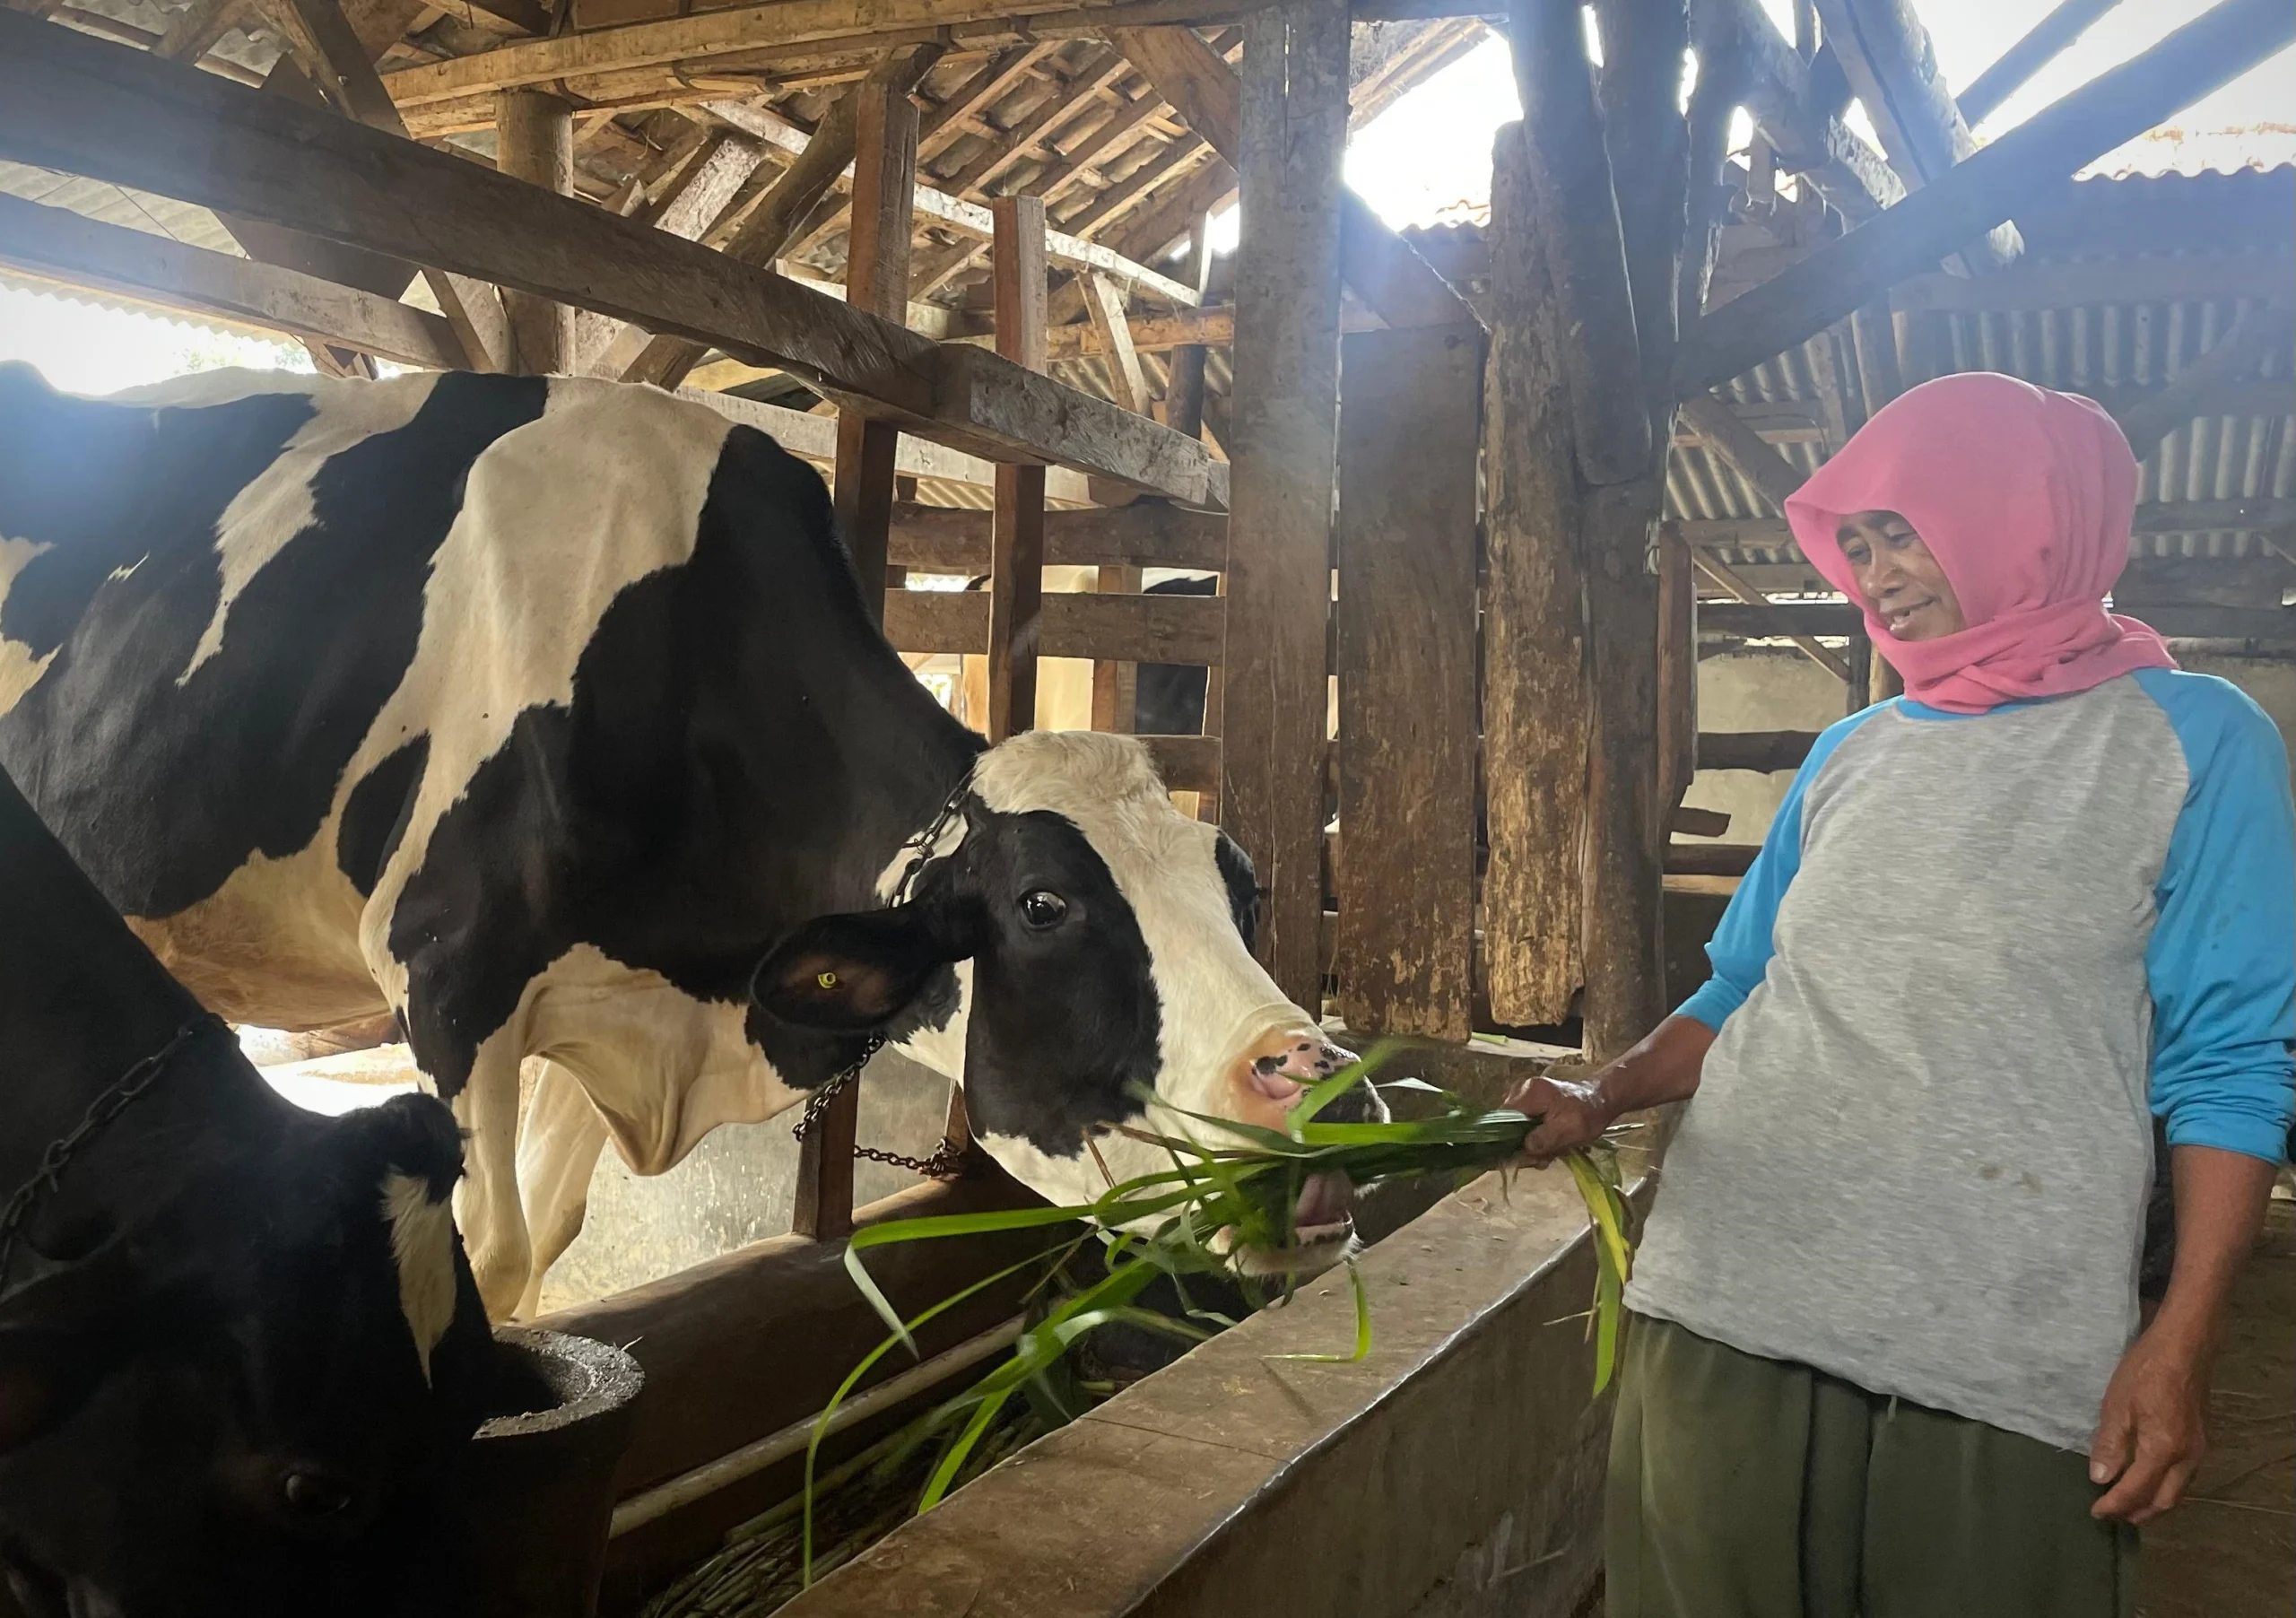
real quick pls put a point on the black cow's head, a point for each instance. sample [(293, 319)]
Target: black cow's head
[(252, 1397), (1077, 941)]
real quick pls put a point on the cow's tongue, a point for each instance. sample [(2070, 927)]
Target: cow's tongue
[(1325, 1201)]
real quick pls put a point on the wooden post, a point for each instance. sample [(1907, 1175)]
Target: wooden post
[(1677, 668), (1407, 721), (1016, 541), (1104, 303), (1116, 686), (535, 142), (1883, 681), (1858, 691), (1184, 390), (1283, 422), (1534, 699), (876, 279)]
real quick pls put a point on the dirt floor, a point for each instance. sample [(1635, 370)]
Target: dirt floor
[(2229, 1551)]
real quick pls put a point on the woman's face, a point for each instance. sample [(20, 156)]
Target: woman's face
[(1898, 576)]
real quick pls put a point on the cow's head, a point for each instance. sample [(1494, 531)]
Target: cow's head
[(1090, 943), (251, 1397)]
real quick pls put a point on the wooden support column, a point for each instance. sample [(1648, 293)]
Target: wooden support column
[(1104, 303), (535, 142), (1115, 685), (1677, 668), (1282, 446), (1407, 719), (1016, 538), (1533, 635), (876, 280), (1184, 386)]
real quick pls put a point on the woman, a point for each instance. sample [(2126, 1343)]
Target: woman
[(1885, 1360)]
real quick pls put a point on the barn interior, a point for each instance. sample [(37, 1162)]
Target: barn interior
[(1526, 655)]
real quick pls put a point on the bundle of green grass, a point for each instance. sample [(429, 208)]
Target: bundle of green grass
[(1238, 1188)]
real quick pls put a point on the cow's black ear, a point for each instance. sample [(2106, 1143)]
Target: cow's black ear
[(860, 971), (59, 1336)]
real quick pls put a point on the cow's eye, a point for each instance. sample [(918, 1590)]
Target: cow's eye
[(315, 1494), (1041, 909)]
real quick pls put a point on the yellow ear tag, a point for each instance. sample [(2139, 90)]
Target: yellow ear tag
[(826, 979)]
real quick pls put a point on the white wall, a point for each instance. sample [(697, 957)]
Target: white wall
[(1767, 688)]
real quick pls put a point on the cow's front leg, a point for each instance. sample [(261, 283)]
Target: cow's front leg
[(558, 1150), (486, 1201)]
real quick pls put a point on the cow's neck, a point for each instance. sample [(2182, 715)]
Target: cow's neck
[(81, 1002)]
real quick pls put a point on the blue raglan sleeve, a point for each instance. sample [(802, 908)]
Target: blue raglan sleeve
[(1744, 941), (2222, 957)]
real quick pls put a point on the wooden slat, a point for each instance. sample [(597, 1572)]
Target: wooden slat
[(1980, 192), (78, 105), (55, 244), (1800, 129), (876, 280), (1185, 763), (1728, 578), (1116, 682), (1105, 302), (1152, 533), (1534, 702), (950, 122), (1015, 595), (1677, 668), (1765, 752), (1407, 712), (2123, 280), (1283, 444), (1134, 629), (534, 142)]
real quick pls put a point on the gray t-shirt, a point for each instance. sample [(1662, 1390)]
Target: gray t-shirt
[(1973, 952)]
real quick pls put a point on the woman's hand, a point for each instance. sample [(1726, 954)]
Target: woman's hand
[(1570, 1113), (2151, 1434), (1573, 1111)]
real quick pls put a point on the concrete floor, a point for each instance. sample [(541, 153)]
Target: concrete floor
[(2229, 1550)]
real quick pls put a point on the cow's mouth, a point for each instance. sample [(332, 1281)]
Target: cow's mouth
[(1323, 1232)]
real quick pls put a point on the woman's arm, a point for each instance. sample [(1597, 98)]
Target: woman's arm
[(2151, 1434), (1572, 1112)]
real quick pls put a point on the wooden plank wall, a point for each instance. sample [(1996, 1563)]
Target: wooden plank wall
[(1407, 713), (1283, 422)]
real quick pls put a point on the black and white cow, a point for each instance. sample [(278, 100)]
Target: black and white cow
[(239, 1355), (538, 712)]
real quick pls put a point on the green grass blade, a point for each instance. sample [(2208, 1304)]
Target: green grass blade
[(1362, 1329)]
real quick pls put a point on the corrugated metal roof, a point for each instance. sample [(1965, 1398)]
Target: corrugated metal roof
[(2102, 349)]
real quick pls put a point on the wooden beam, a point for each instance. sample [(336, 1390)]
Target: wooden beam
[(1586, 249), (1722, 574), (1150, 533), (1980, 192), (1771, 620), (814, 437), (1098, 71), (1677, 669), (1892, 66), (1105, 302), (1016, 605), (75, 104), (711, 180), (2261, 332), (1408, 719), (1721, 430), (1294, 125), (58, 246), (534, 142), (339, 64), (1802, 132), (197, 28), (2015, 68), (1765, 752), (951, 120), (668, 357), (1535, 697), (1131, 629), (2207, 278)]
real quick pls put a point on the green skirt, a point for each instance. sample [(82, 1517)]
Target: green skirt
[(1742, 1487)]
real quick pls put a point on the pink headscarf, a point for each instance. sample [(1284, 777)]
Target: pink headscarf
[(2025, 497)]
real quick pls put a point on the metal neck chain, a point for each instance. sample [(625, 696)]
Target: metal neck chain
[(114, 1100), (947, 1161)]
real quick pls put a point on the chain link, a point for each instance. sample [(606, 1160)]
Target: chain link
[(947, 1159), (109, 1105)]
